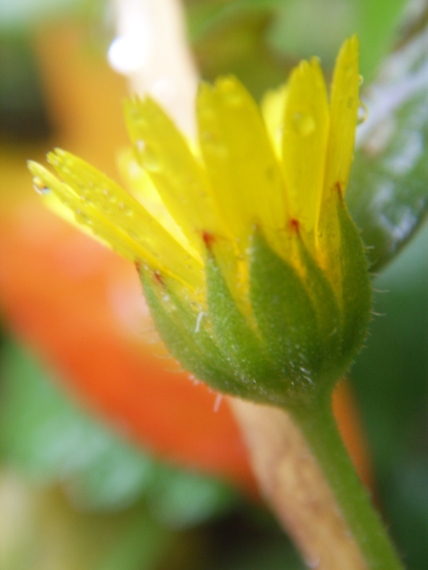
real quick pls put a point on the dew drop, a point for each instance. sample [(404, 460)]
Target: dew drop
[(54, 160), (39, 186), (140, 144), (304, 124), (150, 160), (233, 99), (82, 218), (126, 210), (141, 121), (231, 95), (363, 113)]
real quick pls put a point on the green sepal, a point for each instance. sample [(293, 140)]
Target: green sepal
[(188, 334), (285, 316), (189, 343), (356, 287), (238, 340), (326, 308)]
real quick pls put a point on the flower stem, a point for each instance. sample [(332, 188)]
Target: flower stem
[(306, 475), (320, 431)]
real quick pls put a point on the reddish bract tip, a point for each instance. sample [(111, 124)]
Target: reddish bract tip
[(339, 187), (158, 277), (208, 239), (294, 225)]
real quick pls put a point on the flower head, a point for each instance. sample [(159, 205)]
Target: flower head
[(253, 270)]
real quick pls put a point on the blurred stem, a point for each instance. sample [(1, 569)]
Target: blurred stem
[(306, 475)]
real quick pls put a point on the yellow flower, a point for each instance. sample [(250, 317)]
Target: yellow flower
[(252, 268)]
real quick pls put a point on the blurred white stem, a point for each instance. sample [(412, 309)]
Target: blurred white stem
[(152, 51), (292, 482)]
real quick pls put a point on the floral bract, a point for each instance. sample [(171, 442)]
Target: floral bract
[(253, 270)]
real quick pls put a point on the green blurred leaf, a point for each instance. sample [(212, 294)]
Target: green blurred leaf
[(45, 435), (301, 28), (391, 379), (23, 115), (181, 499), (260, 40), (20, 13), (388, 190), (206, 15), (376, 23), (24, 15), (272, 556), (237, 45), (251, 539), (42, 531)]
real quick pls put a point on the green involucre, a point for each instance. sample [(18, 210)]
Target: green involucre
[(298, 338)]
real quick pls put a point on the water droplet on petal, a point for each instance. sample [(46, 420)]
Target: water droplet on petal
[(150, 160), (126, 210), (229, 92), (363, 113), (39, 186), (304, 124), (140, 144)]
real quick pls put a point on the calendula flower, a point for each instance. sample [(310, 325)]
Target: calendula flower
[(252, 268)]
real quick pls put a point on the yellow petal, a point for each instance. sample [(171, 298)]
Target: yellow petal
[(179, 179), (343, 117), (240, 161), (272, 106), (304, 142), (138, 183), (116, 217), (63, 200)]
